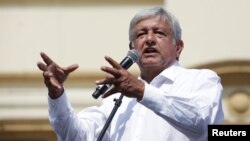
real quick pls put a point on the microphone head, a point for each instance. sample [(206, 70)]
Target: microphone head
[(133, 54)]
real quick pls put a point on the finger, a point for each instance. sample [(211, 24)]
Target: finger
[(108, 80), (50, 80), (104, 81), (70, 68), (100, 82), (113, 62), (109, 92), (42, 66), (111, 71), (47, 74), (46, 58), (55, 83)]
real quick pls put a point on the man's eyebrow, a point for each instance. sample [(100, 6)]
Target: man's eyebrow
[(141, 29)]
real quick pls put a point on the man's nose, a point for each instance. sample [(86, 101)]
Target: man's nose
[(150, 40)]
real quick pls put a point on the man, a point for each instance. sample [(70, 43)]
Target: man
[(166, 103)]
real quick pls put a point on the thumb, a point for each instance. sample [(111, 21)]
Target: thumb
[(71, 68)]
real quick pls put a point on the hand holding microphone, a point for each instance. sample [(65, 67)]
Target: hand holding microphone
[(120, 79)]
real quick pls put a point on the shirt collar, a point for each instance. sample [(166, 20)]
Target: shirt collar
[(172, 71)]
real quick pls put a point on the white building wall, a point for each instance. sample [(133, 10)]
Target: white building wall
[(69, 34), (213, 30)]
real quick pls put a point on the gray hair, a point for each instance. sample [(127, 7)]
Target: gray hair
[(152, 12)]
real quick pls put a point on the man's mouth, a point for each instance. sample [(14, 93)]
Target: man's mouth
[(150, 50)]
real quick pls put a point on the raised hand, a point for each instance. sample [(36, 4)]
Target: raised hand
[(54, 75), (121, 80)]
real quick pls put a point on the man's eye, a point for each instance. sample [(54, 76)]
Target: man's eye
[(161, 33), (140, 34)]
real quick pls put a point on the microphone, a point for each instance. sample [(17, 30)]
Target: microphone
[(132, 57)]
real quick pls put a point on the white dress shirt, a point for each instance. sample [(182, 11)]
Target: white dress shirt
[(177, 105)]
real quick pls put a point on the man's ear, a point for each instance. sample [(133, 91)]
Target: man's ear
[(131, 46), (179, 47)]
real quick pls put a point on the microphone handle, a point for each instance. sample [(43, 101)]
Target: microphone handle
[(126, 62), (100, 90)]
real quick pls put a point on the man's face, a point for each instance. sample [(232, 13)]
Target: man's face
[(154, 40)]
